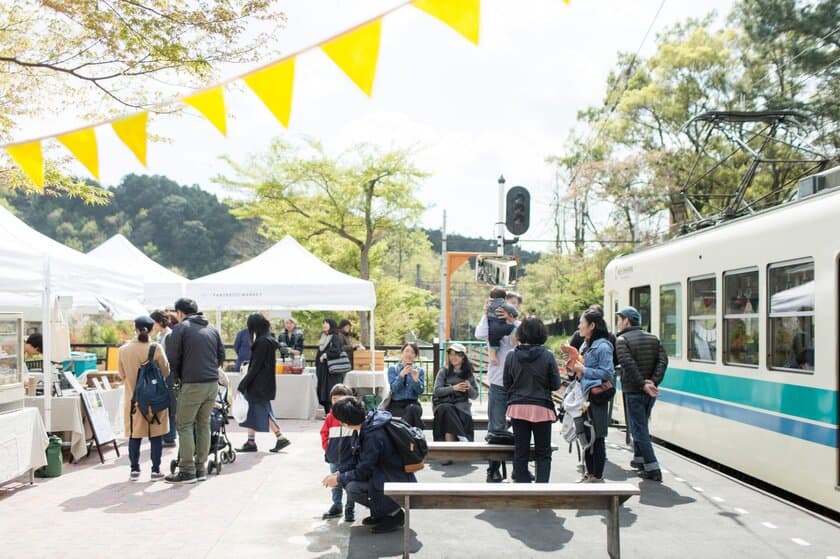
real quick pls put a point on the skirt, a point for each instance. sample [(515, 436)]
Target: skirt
[(259, 413), (450, 419)]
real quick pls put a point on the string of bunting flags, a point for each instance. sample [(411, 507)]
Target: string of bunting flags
[(355, 52)]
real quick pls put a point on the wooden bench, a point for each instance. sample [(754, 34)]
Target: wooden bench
[(472, 451), (479, 423), (589, 496)]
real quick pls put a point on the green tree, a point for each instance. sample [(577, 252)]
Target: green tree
[(339, 205)]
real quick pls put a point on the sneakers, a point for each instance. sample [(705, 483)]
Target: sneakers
[(494, 477), (334, 512), (181, 477), (247, 447), (279, 445), (371, 521), (349, 514), (200, 474), (583, 479), (170, 443), (653, 475), (637, 465), (133, 476), (157, 476), (389, 523), (593, 479)]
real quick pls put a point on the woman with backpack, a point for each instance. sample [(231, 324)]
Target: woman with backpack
[(132, 355), (259, 385), (597, 367)]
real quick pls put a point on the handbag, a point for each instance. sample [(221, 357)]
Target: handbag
[(499, 437), (602, 394), (340, 365)]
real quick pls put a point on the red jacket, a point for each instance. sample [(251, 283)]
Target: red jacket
[(336, 440)]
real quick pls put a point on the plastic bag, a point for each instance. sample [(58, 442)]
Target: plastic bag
[(240, 408), (574, 400)]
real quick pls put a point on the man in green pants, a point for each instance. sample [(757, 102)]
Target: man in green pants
[(195, 352)]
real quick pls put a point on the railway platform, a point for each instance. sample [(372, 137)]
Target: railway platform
[(270, 505)]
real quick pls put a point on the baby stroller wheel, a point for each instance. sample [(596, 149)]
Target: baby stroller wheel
[(211, 465), (232, 456), (225, 456), (173, 466)]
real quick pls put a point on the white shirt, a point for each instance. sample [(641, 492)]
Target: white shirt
[(495, 373)]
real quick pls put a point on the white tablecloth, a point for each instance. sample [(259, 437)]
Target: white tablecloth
[(296, 397), (66, 415), (23, 440), (369, 379)]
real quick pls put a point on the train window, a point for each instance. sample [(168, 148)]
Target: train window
[(640, 299), (702, 319), (670, 319), (791, 315), (740, 318)]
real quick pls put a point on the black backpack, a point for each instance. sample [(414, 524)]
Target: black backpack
[(409, 442), (151, 395)]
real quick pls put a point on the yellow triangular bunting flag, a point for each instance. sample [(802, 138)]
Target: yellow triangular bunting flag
[(274, 86), (31, 160), (461, 15), (356, 53), (211, 104), (132, 131), (82, 144)]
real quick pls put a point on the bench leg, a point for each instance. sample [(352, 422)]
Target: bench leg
[(407, 527), (613, 543)]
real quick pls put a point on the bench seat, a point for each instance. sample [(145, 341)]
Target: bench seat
[(472, 451), (479, 423), (589, 496)]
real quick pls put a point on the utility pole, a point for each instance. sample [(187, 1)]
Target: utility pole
[(442, 333), (500, 225)]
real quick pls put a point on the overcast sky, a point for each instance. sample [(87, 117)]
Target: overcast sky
[(473, 112)]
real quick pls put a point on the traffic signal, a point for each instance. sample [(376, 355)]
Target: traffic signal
[(518, 210)]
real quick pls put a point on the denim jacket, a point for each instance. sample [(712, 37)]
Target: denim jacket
[(597, 364), (405, 388)]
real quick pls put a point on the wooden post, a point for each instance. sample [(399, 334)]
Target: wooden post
[(613, 543)]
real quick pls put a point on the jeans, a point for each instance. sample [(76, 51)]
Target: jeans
[(196, 404), (134, 453), (639, 407), (173, 430), (542, 450), (361, 492), (596, 458), (496, 416), (337, 491)]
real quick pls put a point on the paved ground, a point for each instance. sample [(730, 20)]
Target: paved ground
[(267, 505)]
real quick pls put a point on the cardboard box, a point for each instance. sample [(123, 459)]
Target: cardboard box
[(362, 358)]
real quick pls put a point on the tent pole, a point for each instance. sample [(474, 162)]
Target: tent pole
[(219, 320), (46, 342)]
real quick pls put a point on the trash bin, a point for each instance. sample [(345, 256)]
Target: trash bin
[(54, 459)]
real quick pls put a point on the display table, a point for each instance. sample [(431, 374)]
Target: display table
[(23, 442), (296, 397), (66, 415), (369, 379)]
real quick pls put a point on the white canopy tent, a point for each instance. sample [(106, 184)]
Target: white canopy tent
[(161, 287), (284, 277), (35, 268)]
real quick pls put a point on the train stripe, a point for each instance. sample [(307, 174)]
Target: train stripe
[(816, 404), (786, 426)]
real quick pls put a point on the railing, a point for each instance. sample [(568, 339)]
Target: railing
[(431, 358)]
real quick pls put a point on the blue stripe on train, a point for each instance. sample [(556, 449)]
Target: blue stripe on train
[(794, 428)]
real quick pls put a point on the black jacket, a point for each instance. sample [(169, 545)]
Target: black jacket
[(195, 351), (530, 376), (260, 384), (293, 341), (641, 357)]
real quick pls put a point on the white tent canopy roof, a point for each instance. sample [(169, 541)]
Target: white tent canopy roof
[(26, 254), (161, 287), (286, 276)]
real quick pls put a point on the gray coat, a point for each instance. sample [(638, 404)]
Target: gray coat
[(443, 390)]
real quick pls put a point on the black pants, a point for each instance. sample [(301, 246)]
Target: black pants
[(596, 458), (408, 410), (542, 450)]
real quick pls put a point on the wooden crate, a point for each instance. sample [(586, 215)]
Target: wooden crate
[(361, 360)]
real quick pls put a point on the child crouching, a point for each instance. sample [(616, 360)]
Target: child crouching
[(337, 445)]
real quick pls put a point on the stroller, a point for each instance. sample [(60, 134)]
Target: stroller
[(221, 449)]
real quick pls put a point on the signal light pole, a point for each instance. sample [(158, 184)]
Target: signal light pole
[(500, 224)]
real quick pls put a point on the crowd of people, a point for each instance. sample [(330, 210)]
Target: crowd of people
[(522, 374)]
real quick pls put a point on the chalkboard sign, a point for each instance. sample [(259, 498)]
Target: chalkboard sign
[(99, 422)]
